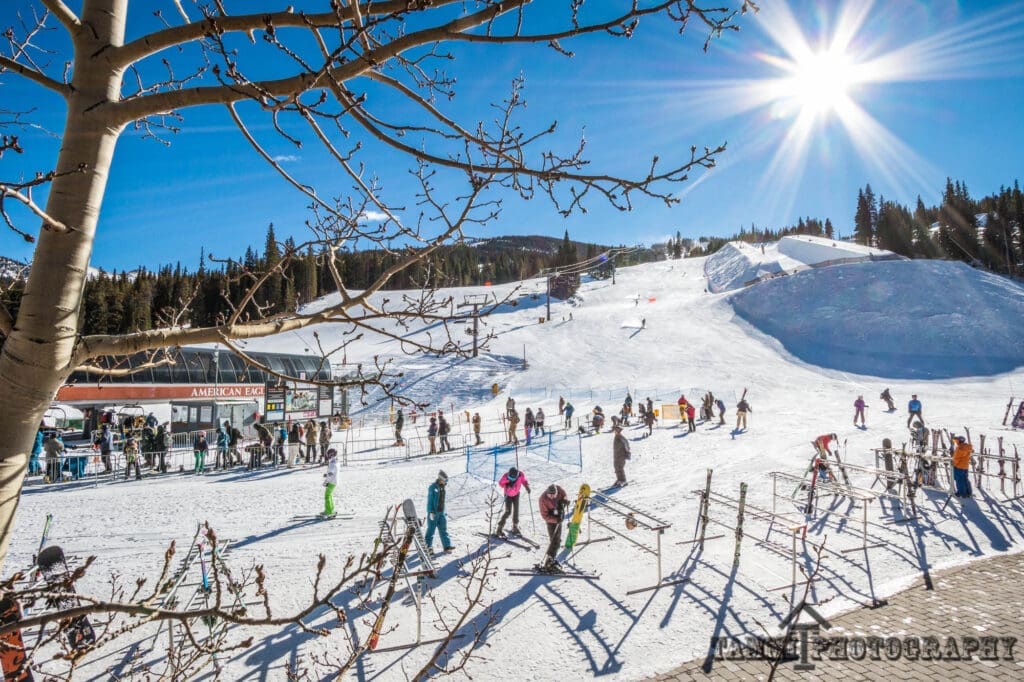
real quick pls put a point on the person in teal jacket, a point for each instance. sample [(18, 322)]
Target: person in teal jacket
[(437, 519), (34, 467)]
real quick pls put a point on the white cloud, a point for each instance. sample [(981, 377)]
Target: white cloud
[(375, 216), (285, 158)]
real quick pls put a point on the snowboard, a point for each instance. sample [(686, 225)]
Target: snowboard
[(12, 651), (582, 500), (54, 567)]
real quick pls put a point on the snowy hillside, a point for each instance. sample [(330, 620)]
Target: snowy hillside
[(656, 331)]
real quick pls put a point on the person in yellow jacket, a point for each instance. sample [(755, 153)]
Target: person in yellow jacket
[(962, 452)]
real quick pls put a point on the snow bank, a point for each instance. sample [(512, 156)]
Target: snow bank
[(899, 319)]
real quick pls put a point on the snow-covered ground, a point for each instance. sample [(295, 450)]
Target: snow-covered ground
[(692, 340)]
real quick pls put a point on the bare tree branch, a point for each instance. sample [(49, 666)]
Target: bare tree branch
[(38, 77), (64, 14)]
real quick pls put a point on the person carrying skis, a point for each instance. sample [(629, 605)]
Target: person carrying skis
[(131, 457), (567, 411), (432, 435), (443, 429), (914, 410), (858, 406), (691, 412), (330, 483), (620, 453), (511, 482), (823, 444), (54, 449), (742, 408), (887, 397), (513, 423), (476, 428), (199, 449), (552, 505), (399, 423), (437, 519), (721, 411), (539, 421), (962, 452)]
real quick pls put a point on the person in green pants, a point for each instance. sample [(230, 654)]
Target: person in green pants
[(200, 447), (330, 482)]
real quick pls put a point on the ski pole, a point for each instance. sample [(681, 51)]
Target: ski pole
[(533, 520)]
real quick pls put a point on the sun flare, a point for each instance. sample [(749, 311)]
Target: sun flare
[(821, 82)]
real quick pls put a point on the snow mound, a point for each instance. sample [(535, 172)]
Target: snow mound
[(899, 319), (738, 264)]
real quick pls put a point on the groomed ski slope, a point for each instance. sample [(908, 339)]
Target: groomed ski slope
[(570, 629)]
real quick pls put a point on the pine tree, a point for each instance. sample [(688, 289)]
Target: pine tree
[(863, 232)]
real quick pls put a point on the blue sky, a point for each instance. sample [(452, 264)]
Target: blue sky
[(933, 89)]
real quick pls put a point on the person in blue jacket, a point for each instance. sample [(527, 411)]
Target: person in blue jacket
[(34, 467), (914, 410), (437, 519)]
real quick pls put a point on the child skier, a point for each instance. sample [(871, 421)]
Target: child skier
[(511, 484), (330, 482), (552, 509), (914, 410), (437, 519)]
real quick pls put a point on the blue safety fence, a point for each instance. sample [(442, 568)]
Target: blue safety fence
[(563, 451)]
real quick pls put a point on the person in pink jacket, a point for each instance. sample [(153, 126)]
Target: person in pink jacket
[(511, 483)]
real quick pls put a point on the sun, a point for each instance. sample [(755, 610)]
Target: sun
[(821, 82)]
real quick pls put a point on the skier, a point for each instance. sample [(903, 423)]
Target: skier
[(530, 423), (222, 448), (476, 427), (510, 407), (887, 397), (106, 442), (34, 467), (914, 410), (199, 448), (54, 449), (330, 482), (552, 509), (649, 421), (961, 466), (443, 429), (436, 517), (511, 482), (691, 412), (539, 420), (131, 456), (432, 435), (859, 406), (399, 423), (721, 411), (742, 408), (620, 453), (513, 422), (824, 442), (567, 411)]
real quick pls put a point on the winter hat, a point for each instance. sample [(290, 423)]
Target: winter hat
[(442, 476), (332, 453), (552, 489), (513, 473)]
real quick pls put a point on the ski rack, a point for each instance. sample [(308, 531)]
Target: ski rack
[(854, 494), (642, 520), (415, 581)]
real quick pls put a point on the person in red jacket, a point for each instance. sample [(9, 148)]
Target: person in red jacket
[(691, 412), (823, 444), (552, 509)]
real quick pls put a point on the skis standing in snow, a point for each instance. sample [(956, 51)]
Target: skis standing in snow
[(511, 484), (552, 506), (437, 519), (620, 453)]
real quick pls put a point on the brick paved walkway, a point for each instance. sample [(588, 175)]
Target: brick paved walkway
[(978, 605)]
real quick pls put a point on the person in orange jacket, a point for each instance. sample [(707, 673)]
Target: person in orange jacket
[(962, 452)]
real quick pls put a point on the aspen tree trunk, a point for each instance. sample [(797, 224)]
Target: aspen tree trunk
[(39, 354)]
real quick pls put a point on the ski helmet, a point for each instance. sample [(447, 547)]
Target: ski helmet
[(513, 473)]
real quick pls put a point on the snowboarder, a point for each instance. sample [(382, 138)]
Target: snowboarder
[(552, 509), (961, 466), (887, 397), (443, 429), (691, 412), (859, 406), (914, 410), (330, 482), (742, 408), (199, 449), (511, 482), (399, 423), (432, 435), (513, 423), (437, 519), (54, 449), (823, 444), (131, 456), (721, 411), (620, 453), (539, 420), (567, 411), (476, 427)]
